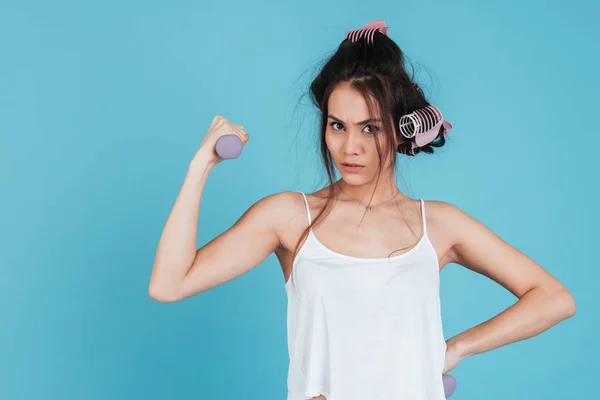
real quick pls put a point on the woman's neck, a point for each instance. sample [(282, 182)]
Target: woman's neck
[(368, 193)]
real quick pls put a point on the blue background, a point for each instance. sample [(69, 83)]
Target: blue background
[(103, 104)]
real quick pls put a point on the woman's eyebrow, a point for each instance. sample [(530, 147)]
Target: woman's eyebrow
[(358, 123)]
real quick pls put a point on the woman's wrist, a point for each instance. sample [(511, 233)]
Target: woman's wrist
[(200, 168), (202, 162), (458, 347)]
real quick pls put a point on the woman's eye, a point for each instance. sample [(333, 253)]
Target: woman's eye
[(334, 123), (372, 129)]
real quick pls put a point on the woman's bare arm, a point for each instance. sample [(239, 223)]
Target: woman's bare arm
[(181, 271), (543, 301)]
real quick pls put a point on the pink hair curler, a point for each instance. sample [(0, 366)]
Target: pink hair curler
[(368, 31), (423, 124), (229, 146)]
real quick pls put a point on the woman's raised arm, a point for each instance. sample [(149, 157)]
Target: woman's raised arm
[(180, 270)]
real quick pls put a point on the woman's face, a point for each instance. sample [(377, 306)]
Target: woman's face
[(350, 136)]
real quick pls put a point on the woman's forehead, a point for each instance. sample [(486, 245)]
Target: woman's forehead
[(348, 105)]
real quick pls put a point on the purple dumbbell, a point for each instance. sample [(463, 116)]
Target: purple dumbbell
[(449, 385), (228, 146)]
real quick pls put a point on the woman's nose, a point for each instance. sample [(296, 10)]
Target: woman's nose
[(351, 143)]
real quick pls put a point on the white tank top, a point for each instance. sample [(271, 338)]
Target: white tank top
[(365, 328)]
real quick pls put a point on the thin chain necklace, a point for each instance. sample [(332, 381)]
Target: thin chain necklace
[(370, 207)]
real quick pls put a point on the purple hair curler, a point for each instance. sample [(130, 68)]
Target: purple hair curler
[(449, 385), (229, 146)]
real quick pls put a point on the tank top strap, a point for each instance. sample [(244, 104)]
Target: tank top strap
[(423, 217), (307, 208)]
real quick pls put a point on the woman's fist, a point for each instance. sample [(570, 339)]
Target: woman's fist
[(218, 127)]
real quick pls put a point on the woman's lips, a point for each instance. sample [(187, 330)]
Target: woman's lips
[(352, 169)]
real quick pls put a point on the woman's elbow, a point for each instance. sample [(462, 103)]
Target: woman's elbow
[(565, 303), (161, 295), (570, 305)]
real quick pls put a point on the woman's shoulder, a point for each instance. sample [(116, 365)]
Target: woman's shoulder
[(280, 201), (449, 223), (442, 210), (283, 205), (286, 212), (297, 198), (441, 214)]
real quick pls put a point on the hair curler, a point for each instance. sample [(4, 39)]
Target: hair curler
[(423, 124), (229, 146)]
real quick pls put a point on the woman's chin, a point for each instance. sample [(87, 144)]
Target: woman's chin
[(353, 179)]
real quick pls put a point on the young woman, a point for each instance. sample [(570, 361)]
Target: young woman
[(360, 259)]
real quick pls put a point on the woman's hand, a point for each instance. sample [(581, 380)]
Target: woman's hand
[(453, 356), (218, 127)]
